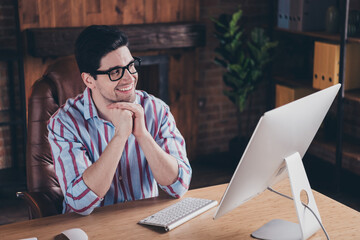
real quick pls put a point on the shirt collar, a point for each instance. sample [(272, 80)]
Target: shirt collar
[(90, 110), (137, 97)]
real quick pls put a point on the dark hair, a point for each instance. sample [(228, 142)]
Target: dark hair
[(93, 43)]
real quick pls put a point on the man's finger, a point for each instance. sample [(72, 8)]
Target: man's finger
[(120, 105), (136, 108)]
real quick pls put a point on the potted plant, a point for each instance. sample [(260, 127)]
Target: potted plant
[(244, 56)]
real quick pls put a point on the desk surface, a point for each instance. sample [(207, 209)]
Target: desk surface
[(120, 221)]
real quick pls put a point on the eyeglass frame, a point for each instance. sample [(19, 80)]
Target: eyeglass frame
[(107, 72)]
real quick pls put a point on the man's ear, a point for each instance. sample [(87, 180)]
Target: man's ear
[(88, 80)]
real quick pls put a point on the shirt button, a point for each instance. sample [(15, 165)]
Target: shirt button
[(120, 178)]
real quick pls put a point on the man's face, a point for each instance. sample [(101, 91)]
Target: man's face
[(122, 90)]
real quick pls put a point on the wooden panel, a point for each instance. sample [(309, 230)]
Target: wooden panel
[(110, 13), (178, 10), (60, 41), (168, 12), (133, 11), (46, 14), (67, 13), (182, 77), (93, 6), (151, 11), (63, 13), (77, 13), (190, 10), (183, 112), (29, 13)]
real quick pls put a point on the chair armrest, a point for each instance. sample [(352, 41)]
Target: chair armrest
[(40, 204)]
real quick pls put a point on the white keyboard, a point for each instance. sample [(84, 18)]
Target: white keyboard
[(179, 213)]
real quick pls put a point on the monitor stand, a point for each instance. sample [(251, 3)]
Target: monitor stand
[(308, 225)]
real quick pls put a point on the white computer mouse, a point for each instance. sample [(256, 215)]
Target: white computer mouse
[(73, 234)]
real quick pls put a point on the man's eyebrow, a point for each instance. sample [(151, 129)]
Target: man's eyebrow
[(117, 66), (110, 69)]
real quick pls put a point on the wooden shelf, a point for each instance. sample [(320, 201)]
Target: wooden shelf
[(55, 42), (325, 148), (353, 40), (320, 35), (291, 81), (351, 95)]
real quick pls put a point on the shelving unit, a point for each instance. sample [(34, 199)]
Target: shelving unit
[(16, 112), (339, 149)]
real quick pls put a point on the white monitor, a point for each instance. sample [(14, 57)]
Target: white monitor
[(283, 133)]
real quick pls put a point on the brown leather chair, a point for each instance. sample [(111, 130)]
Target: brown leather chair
[(61, 81)]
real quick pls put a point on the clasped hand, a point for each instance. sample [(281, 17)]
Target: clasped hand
[(128, 118)]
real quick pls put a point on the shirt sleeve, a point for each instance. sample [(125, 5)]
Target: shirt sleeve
[(170, 139), (70, 161)]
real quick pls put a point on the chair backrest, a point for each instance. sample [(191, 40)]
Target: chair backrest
[(60, 81)]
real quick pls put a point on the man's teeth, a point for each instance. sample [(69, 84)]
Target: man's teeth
[(126, 89)]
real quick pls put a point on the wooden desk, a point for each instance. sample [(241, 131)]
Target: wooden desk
[(120, 221)]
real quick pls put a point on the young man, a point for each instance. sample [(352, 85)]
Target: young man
[(113, 143)]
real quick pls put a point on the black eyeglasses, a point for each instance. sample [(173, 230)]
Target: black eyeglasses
[(116, 73)]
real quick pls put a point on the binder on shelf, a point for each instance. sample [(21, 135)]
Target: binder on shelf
[(320, 64), (316, 68), (286, 94), (352, 66), (296, 15), (324, 63), (333, 65), (283, 14), (304, 15), (327, 65)]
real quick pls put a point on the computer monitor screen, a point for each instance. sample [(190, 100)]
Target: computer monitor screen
[(279, 133)]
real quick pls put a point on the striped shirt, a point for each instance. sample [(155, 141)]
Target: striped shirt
[(78, 136)]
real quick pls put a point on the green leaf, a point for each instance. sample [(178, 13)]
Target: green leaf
[(233, 25), (218, 23), (238, 36)]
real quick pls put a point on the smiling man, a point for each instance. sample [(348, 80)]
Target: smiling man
[(113, 143)]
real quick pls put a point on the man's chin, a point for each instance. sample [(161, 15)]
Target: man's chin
[(131, 98)]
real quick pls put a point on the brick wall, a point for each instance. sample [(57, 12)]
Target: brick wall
[(7, 40), (217, 115), (7, 24)]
